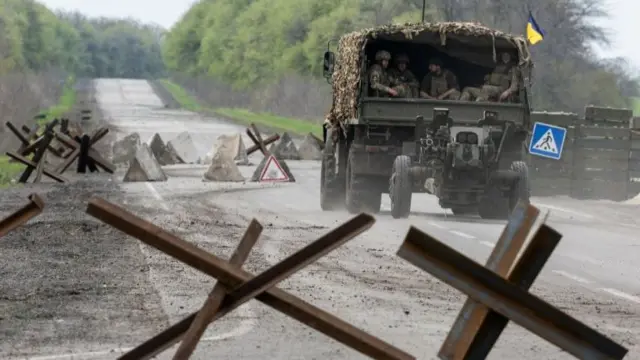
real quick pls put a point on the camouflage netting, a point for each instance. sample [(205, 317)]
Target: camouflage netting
[(346, 77)]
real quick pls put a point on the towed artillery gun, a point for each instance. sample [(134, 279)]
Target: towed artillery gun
[(469, 154)]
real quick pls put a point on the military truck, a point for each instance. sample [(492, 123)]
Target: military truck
[(467, 153)]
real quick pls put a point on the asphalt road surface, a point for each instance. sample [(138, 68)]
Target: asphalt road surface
[(593, 274)]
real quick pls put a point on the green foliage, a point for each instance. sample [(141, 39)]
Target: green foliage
[(8, 171), (183, 98), (64, 105), (294, 126), (34, 38), (254, 43), (635, 101)]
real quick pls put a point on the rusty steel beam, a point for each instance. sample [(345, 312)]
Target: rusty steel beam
[(37, 157), (24, 214), (23, 139), (255, 147), (318, 141), (238, 279), (259, 144), (71, 157), (504, 254), (207, 313), (93, 154), (29, 149), (512, 302), (51, 174), (523, 275)]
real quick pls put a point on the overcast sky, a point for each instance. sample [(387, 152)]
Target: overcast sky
[(624, 23)]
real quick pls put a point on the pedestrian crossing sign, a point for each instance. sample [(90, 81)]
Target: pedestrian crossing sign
[(547, 140)]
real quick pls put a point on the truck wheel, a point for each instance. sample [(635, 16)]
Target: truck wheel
[(522, 188), (400, 189), (330, 194), (355, 200)]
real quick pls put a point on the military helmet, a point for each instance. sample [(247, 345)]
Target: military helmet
[(383, 55), (402, 58), (435, 61)]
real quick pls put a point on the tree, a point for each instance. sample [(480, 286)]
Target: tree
[(252, 43)]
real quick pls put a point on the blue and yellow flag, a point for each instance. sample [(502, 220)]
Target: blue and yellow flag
[(535, 34)]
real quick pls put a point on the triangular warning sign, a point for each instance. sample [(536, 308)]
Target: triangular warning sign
[(272, 171), (547, 143)]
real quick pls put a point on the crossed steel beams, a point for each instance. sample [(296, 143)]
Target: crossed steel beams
[(241, 286), (495, 300), (22, 215), (258, 143), (79, 147)]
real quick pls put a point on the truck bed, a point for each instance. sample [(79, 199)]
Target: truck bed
[(403, 112)]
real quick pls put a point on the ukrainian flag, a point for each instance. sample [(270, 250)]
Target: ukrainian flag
[(535, 34)]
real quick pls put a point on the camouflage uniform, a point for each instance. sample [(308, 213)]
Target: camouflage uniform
[(503, 78), (405, 83), (379, 79), (438, 84)]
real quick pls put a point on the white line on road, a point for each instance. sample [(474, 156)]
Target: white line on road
[(248, 322), (621, 294), (568, 211), (583, 258), (571, 276), (461, 234), (488, 243), (156, 195), (437, 225)]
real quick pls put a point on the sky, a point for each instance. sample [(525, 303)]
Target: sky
[(624, 22)]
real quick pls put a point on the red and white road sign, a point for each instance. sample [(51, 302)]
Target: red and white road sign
[(272, 171)]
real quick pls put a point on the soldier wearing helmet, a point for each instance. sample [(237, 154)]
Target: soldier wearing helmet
[(499, 85), (379, 79), (439, 83), (402, 78)]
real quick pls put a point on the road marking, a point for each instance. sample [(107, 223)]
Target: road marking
[(437, 225), (157, 195), (582, 258), (245, 326), (571, 276), (461, 234), (568, 211), (621, 294), (488, 243)]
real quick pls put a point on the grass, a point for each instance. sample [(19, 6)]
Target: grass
[(636, 105), (64, 105), (185, 100), (244, 116), (9, 170)]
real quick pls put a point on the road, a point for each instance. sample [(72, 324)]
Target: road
[(593, 275)]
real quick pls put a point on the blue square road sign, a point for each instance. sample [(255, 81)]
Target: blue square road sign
[(547, 140)]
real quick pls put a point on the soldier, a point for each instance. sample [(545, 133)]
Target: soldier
[(379, 79), (439, 83), (500, 84), (405, 83)]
